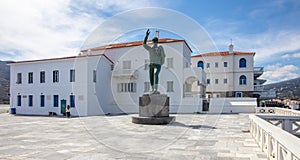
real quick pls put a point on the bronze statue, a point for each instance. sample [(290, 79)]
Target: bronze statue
[(157, 58)]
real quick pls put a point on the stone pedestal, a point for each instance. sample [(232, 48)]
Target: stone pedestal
[(153, 109)]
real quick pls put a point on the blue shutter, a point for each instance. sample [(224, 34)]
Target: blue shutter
[(72, 101)]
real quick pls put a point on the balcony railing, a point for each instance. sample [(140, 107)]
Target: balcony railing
[(125, 73), (258, 69)]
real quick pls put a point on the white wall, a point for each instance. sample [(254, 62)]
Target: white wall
[(232, 72), (64, 88), (128, 102), (84, 90), (99, 94), (232, 105)]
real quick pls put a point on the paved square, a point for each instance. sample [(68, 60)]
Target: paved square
[(199, 137)]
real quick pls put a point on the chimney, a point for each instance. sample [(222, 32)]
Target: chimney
[(230, 48), (157, 33), (89, 52)]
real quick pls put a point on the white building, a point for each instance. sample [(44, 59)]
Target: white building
[(105, 80), (230, 74)]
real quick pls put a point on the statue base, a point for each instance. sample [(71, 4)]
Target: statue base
[(154, 109)]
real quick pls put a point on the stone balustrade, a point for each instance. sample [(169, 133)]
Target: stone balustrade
[(277, 111), (274, 141)]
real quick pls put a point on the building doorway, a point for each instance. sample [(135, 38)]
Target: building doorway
[(63, 104)]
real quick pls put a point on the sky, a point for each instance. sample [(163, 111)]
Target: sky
[(36, 29)]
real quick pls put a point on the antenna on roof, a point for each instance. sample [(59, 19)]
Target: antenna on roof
[(157, 33), (230, 47)]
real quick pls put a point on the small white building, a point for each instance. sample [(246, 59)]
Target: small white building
[(105, 80)]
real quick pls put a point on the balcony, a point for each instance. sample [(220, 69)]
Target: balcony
[(125, 73), (258, 71), (259, 81)]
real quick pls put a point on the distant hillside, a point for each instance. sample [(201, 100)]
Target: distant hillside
[(4, 82), (286, 89)]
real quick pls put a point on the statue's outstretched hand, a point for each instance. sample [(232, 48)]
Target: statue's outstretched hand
[(148, 32)]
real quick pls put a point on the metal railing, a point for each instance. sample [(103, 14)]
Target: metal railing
[(258, 69)]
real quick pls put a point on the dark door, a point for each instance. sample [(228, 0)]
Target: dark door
[(205, 105), (63, 104)]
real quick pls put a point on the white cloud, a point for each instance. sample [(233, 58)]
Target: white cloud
[(271, 45), (35, 29), (267, 45), (278, 72), (295, 55)]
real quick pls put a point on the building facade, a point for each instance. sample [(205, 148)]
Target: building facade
[(230, 73), (232, 82), (105, 80)]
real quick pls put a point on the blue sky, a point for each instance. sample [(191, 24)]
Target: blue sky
[(35, 29)]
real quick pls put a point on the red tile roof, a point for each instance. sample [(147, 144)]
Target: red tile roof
[(109, 46), (225, 53), (136, 43)]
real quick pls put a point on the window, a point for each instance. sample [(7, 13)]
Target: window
[(170, 86), (146, 86), (170, 62), (72, 75), (127, 87), (200, 64), (42, 100), (112, 67), (216, 65), (55, 76), (208, 96), (208, 81), (243, 80), (146, 67), (243, 63), (72, 100), (126, 64), (216, 81), (19, 103), (30, 100), (94, 76), (187, 64), (19, 78), (238, 94), (55, 100), (225, 80), (207, 65), (30, 77), (225, 64), (42, 77)]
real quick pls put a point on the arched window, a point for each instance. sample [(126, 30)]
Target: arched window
[(200, 64), (243, 63), (243, 80)]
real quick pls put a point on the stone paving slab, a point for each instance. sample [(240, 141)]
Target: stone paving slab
[(192, 136)]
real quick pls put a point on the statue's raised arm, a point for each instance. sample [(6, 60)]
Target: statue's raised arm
[(146, 37), (145, 40)]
